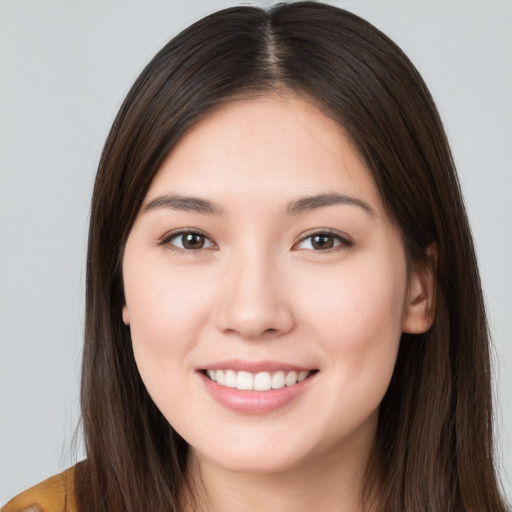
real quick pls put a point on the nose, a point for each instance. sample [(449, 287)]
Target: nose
[(254, 301)]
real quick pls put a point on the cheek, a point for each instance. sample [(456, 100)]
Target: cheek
[(167, 311), (357, 313), (357, 324)]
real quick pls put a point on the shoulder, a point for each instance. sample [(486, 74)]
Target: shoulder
[(57, 494)]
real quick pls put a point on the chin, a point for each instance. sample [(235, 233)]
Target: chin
[(263, 463)]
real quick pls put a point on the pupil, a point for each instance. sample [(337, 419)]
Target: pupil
[(323, 242), (193, 241)]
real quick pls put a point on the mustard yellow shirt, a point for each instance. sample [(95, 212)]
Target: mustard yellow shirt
[(57, 494)]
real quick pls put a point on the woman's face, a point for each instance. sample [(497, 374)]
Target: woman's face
[(266, 289)]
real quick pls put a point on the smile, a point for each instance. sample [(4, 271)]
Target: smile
[(261, 381), (256, 388)]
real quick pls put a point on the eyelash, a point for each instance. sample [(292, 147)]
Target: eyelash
[(339, 240), (343, 242), (166, 240)]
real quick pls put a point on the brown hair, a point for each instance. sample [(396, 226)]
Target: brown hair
[(434, 447)]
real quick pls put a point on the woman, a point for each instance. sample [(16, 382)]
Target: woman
[(283, 304)]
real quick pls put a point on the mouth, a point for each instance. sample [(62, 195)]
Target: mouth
[(256, 387), (260, 381)]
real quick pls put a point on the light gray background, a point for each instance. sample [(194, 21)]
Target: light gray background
[(65, 67)]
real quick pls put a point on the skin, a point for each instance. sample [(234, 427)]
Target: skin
[(259, 289)]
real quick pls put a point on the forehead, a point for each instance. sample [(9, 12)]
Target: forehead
[(275, 146)]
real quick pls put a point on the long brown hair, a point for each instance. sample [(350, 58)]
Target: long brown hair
[(434, 447)]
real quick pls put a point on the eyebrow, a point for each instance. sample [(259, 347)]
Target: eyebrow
[(184, 203), (295, 207), (310, 203)]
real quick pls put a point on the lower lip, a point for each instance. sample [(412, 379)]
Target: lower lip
[(254, 402)]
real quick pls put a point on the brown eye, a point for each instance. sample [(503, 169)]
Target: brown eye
[(193, 241), (322, 242), (189, 241)]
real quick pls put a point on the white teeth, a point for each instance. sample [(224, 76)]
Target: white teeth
[(302, 375), (262, 381), (291, 378), (220, 377), (245, 381), (230, 379), (278, 380)]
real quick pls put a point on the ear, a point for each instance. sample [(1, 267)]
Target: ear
[(126, 315), (419, 307)]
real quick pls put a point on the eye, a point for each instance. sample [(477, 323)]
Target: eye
[(323, 241), (187, 240)]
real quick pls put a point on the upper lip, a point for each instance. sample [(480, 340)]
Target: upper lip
[(254, 366)]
